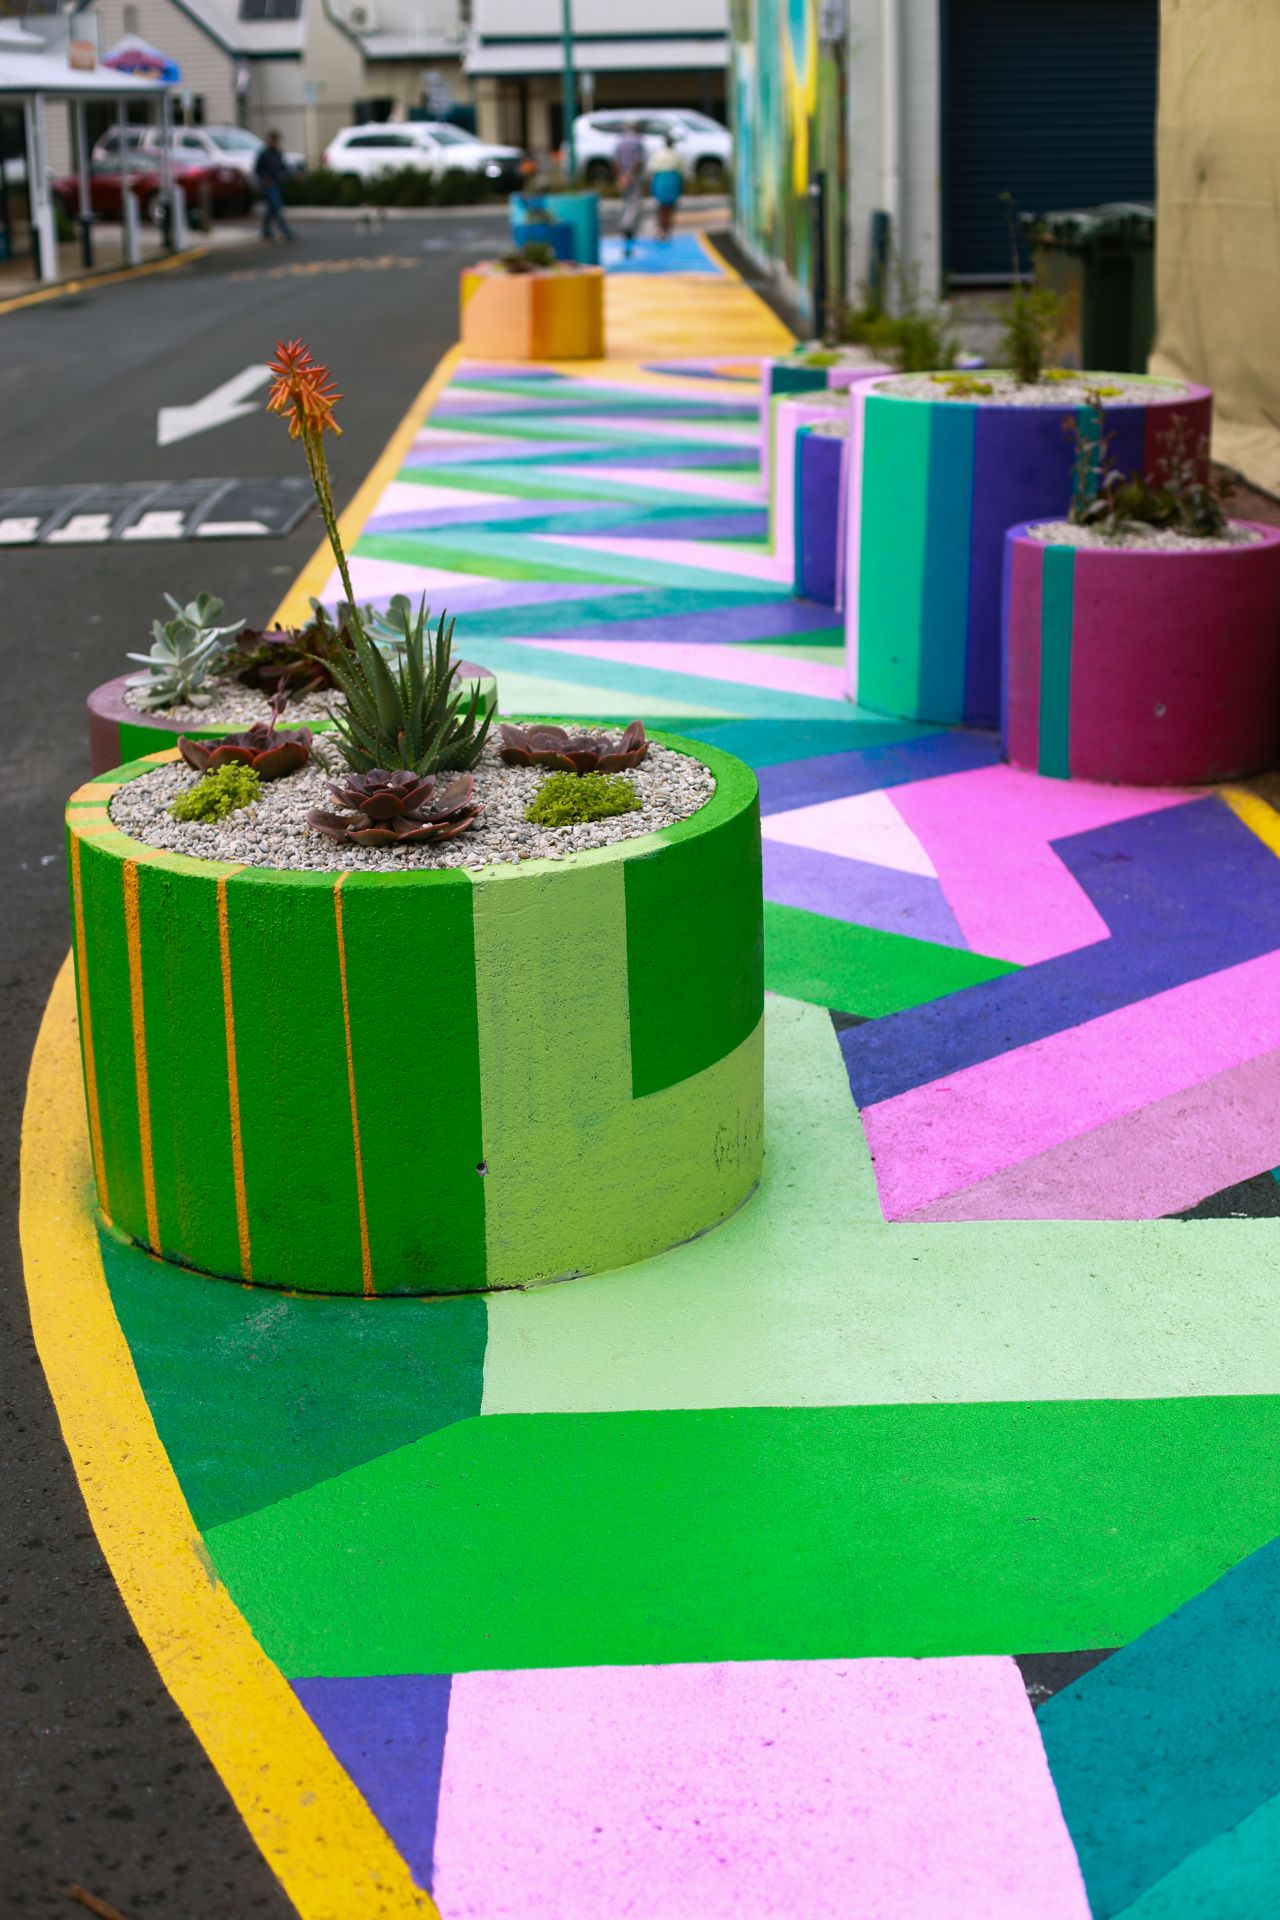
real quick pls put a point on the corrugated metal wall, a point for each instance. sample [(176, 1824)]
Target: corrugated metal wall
[(1053, 101)]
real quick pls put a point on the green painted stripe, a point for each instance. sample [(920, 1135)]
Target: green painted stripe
[(1057, 592), (412, 991), (111, 1016), (695, 940), (895, 499), (295, 1108), (944, 600), (187, 1067), (861, 969), (760, 1533), (257, 1396)]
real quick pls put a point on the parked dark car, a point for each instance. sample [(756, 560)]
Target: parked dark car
[(230, 194)]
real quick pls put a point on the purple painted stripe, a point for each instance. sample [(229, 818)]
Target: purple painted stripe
[(1163, 1158), (714, 626), (389, 1732), (860, 893), (426, 519)]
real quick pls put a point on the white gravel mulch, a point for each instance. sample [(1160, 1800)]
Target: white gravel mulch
[(232, 705), (837, 428), (1061, 533), (274, 833), (1008, 392)]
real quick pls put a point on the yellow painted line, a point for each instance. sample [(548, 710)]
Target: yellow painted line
[(233, 1085), (314, 1829), (1256, 813), (90, 282), (366, 1257), (295, 609)]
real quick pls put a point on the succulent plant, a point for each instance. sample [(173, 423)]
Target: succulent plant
[(270, 751), (185, 652), (570, 799), (219, 793), (393, 807), (409, 714), (547, 746), (296, 658)]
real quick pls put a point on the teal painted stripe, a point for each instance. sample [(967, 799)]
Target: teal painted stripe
[(1057, 593), (502, 554), (944, 601), (892, 543), (737, 701), (797, 511), (1168, 1745)]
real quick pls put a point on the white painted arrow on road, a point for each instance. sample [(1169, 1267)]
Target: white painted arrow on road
[(226, 402)]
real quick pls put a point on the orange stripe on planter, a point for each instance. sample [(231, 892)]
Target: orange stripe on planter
[(366, 1258), (233, 1086), (134, 944), (86, 1036)]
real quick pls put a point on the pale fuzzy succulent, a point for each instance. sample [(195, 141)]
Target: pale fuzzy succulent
[(185, 652)]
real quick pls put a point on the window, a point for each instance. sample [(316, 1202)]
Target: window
[(234, 139), (269, 9), (130, 20), (446, 136), (382, 139)]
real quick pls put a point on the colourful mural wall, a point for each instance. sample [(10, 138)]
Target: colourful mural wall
[(787, 94)]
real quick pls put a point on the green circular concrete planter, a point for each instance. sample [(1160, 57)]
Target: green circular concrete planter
[(430, 1081), (119, 733)]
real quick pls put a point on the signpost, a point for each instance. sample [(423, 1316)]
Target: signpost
[(569, 88)]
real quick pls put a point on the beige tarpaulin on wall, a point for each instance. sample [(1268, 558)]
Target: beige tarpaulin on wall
[(1218, 219)]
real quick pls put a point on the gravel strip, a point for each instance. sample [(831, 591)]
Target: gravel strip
[(1008, 392), (1061, 533), (234, 706), (837, 428), (274, 833)]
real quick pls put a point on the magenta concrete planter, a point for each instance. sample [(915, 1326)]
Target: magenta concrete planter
[(119, 733), (1149, 668)]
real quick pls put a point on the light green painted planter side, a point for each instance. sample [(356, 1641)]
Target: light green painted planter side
[(423, 1082)]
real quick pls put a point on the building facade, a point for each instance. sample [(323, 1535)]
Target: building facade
[(931, 112), (627, 53)]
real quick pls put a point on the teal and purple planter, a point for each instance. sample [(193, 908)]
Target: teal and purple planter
[(119, 733), (1146, 667), (806, 494), (934, 485), (788, 379)]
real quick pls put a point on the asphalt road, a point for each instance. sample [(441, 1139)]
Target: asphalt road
[(105, 1786)]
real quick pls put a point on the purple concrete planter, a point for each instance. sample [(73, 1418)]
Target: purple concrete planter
[(934, 485), (788, 379), (822, 466), (793, 423), (1147, 668), (118, 733)]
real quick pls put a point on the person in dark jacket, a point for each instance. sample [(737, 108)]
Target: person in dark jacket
[(270, 170)]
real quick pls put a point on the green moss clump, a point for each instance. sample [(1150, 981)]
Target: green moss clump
[(568, 799), (963, 386), (218, 794)]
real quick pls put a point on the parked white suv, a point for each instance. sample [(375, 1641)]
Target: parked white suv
[(433, 146), (704, 146), (195, 146)]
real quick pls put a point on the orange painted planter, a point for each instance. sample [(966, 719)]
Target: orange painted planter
[(533, 316)]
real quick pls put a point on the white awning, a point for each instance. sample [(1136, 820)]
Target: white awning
[(520, 57), (47, 74)]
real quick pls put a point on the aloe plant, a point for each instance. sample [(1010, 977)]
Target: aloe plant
[(406, 714), (185, 653)]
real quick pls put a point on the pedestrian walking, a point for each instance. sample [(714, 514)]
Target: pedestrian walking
[(666, 178), (629, 162), (270, 171)]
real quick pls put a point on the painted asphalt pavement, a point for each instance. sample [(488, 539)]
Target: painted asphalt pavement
[(732, 1583)]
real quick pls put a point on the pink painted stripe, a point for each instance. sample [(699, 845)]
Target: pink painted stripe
[(935, 1140), (709, 486), (762, 1790), (744, 563), (1159, 1160), (744, 665), (989, 832)]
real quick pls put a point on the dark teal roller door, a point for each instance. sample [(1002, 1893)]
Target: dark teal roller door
[(1053, 100)]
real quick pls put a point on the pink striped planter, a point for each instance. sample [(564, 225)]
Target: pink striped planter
[(1148, 668)]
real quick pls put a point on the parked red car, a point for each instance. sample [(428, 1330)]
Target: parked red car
[(230, 191)]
